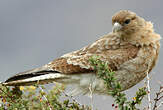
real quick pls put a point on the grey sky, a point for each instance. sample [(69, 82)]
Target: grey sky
[(34, 32)]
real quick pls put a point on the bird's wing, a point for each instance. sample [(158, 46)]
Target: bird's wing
[(109, 48)]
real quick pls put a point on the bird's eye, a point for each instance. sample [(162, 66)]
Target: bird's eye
[(127, 21)]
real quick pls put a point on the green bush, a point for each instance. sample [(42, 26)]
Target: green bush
[(35, 97)]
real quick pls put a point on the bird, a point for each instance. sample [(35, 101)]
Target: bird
[(131, 50)]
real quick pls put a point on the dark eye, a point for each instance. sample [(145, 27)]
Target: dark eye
[(127, 21)]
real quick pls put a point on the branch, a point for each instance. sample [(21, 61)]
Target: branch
[(149, 95), (158, 98)]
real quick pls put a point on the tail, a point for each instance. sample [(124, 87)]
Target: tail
[(40, 75), (43, 75)]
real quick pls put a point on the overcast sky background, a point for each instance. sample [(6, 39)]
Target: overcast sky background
[(34, 32)]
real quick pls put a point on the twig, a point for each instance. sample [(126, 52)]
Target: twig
[(71, 97), (159, 105), (50, 107), (149, 95), (91, 95), (158, 98)]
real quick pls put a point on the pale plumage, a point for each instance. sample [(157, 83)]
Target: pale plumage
[(131, 50)]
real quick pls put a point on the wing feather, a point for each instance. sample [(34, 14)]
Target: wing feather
[(109, 48)]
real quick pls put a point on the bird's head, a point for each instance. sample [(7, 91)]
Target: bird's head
[(127, 22)]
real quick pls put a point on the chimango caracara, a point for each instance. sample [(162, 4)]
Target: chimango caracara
[(131, 50)]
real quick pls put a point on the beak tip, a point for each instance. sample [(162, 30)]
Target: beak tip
[(116, 27)]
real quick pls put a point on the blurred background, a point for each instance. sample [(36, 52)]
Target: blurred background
[(34, 32)]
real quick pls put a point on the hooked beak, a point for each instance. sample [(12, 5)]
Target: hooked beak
[(116, 27)]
